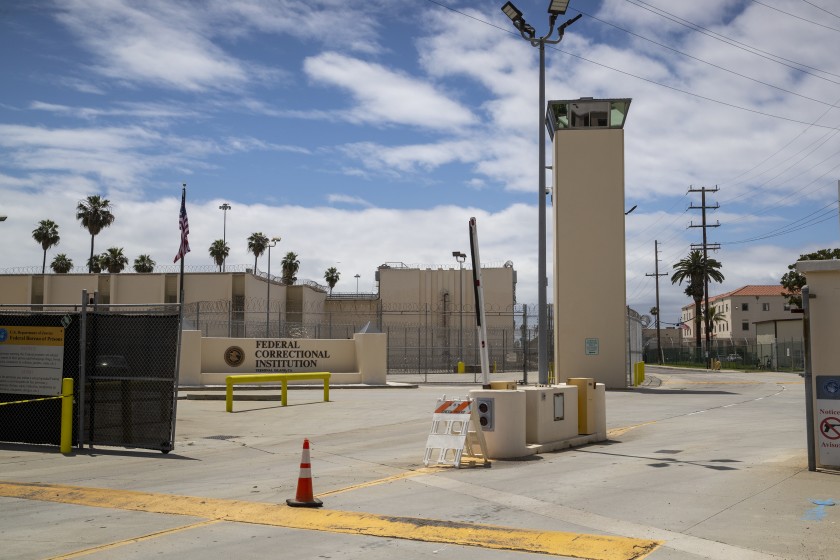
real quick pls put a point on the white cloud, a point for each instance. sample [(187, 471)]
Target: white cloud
[(384, 96), (348, 199), (158, 43)]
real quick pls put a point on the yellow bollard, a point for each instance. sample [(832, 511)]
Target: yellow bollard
[(66, 415), (461, 367)]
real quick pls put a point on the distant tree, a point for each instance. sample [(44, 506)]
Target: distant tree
[(793, 280), (332, 275), (47, 235), (94, 264), (144, 263), (113, 260), (219, 251), (695, 270), (290, 264), (61, 264), (95, 215), (257, 244)]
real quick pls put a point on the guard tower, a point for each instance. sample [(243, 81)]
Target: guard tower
[(590, 322)]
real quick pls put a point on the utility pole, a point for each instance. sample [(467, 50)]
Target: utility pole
[(658, 311), (706, 247)]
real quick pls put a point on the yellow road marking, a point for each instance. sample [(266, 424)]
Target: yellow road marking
[(615, 432), (387, 479), (681, 382), (594, 547), (109, 546)]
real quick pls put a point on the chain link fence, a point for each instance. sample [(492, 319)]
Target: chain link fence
[(425, 343), (782, 355), (39, 422), (123, 362)]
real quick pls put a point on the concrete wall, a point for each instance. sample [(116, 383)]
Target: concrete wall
[(138, 288), (67, 288), (589, 293), (439, 291), (18, 290), (824, 283)]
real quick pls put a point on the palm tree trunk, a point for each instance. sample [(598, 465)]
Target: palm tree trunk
[(90, 262), (44, 263)]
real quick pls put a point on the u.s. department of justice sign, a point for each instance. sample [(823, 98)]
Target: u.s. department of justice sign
[(31, 360)]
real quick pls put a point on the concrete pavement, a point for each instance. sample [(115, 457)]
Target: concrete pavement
[(707, 465)]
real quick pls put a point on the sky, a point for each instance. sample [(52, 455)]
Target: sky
[(370, 132)]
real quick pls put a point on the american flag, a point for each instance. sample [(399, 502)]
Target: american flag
[(184, 226)]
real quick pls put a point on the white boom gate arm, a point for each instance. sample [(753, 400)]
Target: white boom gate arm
[(479, 304)]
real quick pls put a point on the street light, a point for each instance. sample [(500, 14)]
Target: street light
[(224, 208), (2, 218), (357, 284), (460, 257), (273, 242), (555, 8)]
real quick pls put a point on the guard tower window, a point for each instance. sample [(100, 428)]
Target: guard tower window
[(586, 113)]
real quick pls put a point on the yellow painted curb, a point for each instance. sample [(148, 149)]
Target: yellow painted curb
[(594, 547)]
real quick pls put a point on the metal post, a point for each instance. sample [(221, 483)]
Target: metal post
[(542, 343), (82, 360), (525, 344), (809, 389), (224, 208)]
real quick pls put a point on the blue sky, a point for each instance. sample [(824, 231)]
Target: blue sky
[(370, 132)]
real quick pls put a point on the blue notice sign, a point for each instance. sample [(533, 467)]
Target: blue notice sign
[(593, 346)]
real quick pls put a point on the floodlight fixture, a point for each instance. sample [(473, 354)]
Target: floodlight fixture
[(558, 7), (512, 11)]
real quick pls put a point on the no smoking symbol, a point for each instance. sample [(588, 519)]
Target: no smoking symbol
[(830, 427)]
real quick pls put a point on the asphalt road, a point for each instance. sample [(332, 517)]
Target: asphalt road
[(697, 465)]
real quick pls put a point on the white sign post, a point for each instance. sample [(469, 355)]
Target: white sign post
[(827, 419)]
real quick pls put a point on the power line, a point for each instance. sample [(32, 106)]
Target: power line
[(821, 8), (712, 64), (798, 66), (795, 16)]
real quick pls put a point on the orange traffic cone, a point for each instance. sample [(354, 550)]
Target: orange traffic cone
[(304, 497)]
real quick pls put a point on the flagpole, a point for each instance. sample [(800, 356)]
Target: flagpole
[(183, 249), (181, 280)]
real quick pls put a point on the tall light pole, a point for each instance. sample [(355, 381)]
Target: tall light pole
[(555, 8), (357, 284), (224, 208), (271, 244), (460, 257)]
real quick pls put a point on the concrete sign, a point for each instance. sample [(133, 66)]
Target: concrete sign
[(31, 360), (827, 419)]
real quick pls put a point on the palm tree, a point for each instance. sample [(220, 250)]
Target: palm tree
[(144, 263), (219, 251), (95, 214), (696, 270), (332, 275), (257, 244), (290, 264), (47, 235), (61, 264), (715, 317), (114, 260), (94, 264)]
